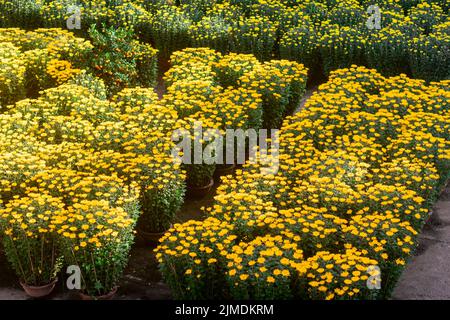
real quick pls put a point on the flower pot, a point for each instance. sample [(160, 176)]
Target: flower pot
[(108, 296), (152, 237), (224, 170), (200, 192), (39, 291)]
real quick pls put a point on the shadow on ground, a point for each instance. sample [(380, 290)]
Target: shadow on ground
[(141, 280)]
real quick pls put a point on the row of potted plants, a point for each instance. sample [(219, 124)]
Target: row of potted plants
[(44, 58), (58, 206), (233, 91), (394, 36), (81, 171), (360, 167)]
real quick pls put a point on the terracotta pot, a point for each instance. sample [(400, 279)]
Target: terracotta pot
[(200, 192), (224, 170), (40, 291), (151, 236), (108, 296)]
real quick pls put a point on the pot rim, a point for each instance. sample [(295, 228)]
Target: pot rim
[(53, 282)]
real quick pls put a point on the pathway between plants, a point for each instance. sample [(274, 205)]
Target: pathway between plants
[(427, 276)]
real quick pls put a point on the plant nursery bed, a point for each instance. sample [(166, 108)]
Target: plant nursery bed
[(142, 279)]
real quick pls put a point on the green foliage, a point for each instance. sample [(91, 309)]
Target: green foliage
[(160, 205), (340, 47), (429, 57), (29, 237), (95, 85), (199, 175), (120, 60), (300, 44), (169, 29)]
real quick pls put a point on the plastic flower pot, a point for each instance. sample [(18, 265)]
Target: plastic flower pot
[(39, 291), (108, 296), (200, 192), (224, 170)]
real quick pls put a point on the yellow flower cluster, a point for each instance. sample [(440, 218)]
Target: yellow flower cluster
[(106, 161), (340, 32), (359, 168), (198, 246), (35, 60), (233, 91), (341, 276), (281, 83), (12, 74), (29, 225), (32, 215), (61, 70), (261, 265)]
